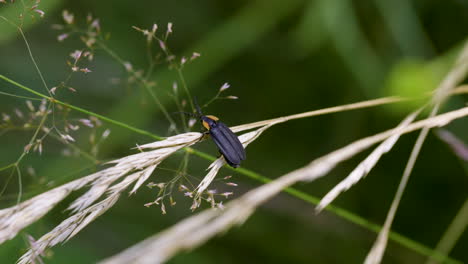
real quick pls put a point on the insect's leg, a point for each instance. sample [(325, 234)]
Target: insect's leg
[(204, 136)]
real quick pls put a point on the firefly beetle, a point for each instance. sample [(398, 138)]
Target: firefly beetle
[(227, 142)]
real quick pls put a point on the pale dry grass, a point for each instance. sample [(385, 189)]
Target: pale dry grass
[(366, 165), (136, 169), (450, 82), (195, 230)]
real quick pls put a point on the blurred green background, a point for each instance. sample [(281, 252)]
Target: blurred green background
[(280, 57)]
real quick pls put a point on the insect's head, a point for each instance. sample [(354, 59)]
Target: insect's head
[(208, 121)]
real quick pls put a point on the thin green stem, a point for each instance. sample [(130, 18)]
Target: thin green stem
[(111, 53), (142, 81), (24, 87), (184, 85), (16, 164), (109, 120), (453, 233), (151, 61), (83, 153), (417, 247), (79, 109), (180, 108), (20, 185), (19, 96), (7, 166), (36, 132), (34, 61), (178, 68), (160, 105), (212, 99), (8, 180)]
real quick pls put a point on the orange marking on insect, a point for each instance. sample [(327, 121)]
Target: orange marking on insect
[(206, 125), (212, 117)]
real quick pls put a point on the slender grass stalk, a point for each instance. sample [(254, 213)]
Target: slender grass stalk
[(196, 230), (20, 96), (298, 194), (456, 75), (188, 150), (7, 166), (453, 233), (366, 165), (84, 111), (140, 79), (29, 52)]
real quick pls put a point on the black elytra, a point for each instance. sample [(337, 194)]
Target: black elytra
[(227, 142)]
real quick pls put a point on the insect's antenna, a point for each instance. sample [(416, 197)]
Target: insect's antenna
[(187, 113), (197, 106)]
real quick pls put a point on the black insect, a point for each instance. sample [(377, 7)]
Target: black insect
[(227, 142)]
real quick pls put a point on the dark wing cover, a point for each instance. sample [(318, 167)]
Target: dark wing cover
[(228, 144)]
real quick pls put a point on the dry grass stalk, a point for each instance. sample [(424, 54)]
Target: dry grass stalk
[(366, 165), (214, 167), (451, 80), (134, 169), (452, 233), (457, 145), (14, 219), (195, 230), (463, 89), (329, 110)]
